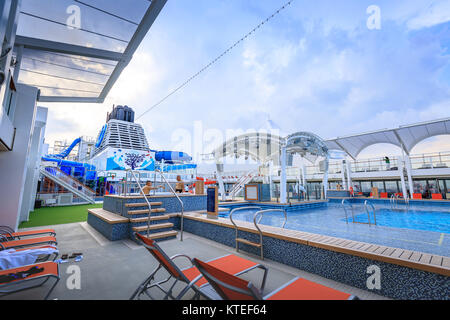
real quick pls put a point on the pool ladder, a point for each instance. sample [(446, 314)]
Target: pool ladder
[(256, 220), (394, 202), (366, 207)]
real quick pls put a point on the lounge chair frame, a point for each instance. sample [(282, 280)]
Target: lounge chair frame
[(204, 290), (9, 233), (44, 277), (250, 290)]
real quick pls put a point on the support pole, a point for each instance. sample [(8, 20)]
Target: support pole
[(219, 170), (349, 173), (402, 178), (408, 172), (283, 195)]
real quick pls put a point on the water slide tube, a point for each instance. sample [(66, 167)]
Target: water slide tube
[(66, 152), (67, 163), (171, 156)]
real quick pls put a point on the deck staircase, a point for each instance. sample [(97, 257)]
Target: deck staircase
[(69, 183), (158, 228), (239, 185)]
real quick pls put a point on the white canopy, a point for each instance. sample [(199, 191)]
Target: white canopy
[(405, 137)]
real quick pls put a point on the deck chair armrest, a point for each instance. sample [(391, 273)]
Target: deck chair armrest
[(181, 256), (8, 229), (4, 232)]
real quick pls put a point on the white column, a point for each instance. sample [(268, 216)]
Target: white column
[(349, 173), (344, 181), (303, 173), (283, 195), (408, 172), (34, 160), (219, 170), (270, 180), (402, 178), (13, 163), (325, 179)]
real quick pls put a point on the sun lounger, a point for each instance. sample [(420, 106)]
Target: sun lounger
[(417, 196), (231, 287), (10, 233), (436, 196), (191, 276), (23, 243), (27, 277)]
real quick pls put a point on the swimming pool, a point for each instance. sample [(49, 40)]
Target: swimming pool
[(436, 221), (423, 228)]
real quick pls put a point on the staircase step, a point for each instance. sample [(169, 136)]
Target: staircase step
[(245, 241), (142, 204), (143, 211), (153, 227), (155, 218), (164, 234)]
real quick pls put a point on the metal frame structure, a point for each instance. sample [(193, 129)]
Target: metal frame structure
[(122, 59), (405, 137)]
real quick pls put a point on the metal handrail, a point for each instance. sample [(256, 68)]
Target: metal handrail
[(345, 210), (392, 201), (142, 191), (366, 204), (234, 224), (261, 212), (181, 202)]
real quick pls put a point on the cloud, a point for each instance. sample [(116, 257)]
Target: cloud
[(315, 67), (436, 13)]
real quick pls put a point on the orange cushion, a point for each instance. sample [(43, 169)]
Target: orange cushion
[(231, 264), (32, 232), (417, 196), (436, 196), (28, 242), (383, 195), (302, 289), (50, 267)]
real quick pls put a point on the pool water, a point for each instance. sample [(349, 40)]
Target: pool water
[(421, 228), (436, 221)]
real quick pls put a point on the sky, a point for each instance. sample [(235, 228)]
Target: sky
[(316, 66)]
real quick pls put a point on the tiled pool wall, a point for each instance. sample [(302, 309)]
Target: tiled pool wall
[(170, 203), (287, 207), (397, 282)]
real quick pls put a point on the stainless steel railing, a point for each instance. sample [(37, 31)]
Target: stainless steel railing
[(179, 200), (235, 225), (366, 206), (256, 220), (345, 210)]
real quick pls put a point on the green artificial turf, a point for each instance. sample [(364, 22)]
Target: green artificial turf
[(48, 216)]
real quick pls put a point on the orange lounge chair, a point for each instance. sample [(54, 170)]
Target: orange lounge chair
[(50, 270), (383, 195), (436, 196), (191, 276), (11, 234), (230, 287), (30, 242), (417, 196)]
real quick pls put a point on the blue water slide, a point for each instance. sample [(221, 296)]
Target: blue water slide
[(171, 156), (66, 152), (67, 163)]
